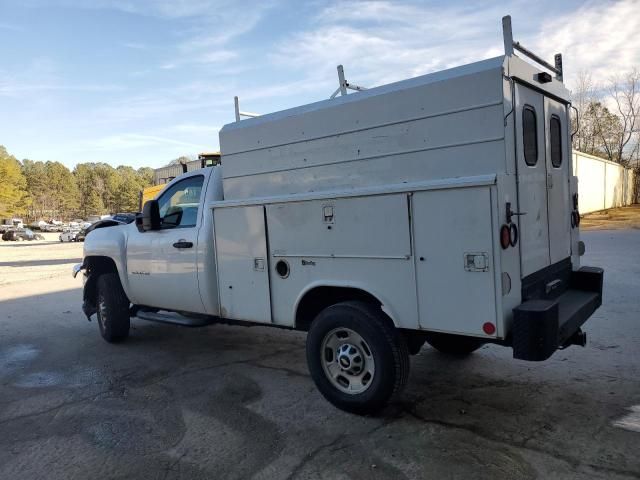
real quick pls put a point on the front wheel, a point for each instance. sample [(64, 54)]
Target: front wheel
[(113, 308), (357, 358)]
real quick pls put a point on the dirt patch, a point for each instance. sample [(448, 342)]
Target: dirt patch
[(614, 219)]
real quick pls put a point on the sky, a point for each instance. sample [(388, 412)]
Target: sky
[(142, 82)]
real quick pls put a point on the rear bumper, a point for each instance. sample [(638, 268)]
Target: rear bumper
[(541, 326)]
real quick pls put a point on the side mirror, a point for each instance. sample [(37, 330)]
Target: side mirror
[(149, 219)]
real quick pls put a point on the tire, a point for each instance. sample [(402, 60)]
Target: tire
[(457, 345), (113, 308), (387, 355)]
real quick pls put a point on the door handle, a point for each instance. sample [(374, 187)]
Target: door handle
[(183, 244)]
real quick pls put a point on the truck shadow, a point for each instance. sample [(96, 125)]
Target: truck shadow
[(41, 263)]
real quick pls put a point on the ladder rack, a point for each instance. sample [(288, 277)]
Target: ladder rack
[(510, 46)]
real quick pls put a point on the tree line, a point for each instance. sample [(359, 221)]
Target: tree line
[(38, 190), (607, 123)]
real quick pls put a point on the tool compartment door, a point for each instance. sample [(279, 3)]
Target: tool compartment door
[(454, 259), (532, 181), (243, 272)]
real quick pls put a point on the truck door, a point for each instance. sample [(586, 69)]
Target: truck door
[(162, 264), (532, 180), (558, 157)]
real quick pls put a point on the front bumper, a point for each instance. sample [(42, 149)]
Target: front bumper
[(541, 326)]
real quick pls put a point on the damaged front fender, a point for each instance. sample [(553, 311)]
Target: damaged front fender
[(89, 295)]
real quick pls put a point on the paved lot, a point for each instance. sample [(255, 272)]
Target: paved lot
[(234, 402)]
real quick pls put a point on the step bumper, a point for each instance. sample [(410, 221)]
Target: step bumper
[(540, 327)]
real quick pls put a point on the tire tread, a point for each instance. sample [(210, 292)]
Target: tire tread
[(117, 305)]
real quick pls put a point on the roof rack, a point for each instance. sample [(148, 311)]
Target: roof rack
[(344, 85), (240, 113), (510, 46)]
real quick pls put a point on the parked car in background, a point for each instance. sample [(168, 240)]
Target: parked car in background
[(69, 235), (96, 218), (18, 235), (39, 225), (124, 217), (10, 223), (53, 227)]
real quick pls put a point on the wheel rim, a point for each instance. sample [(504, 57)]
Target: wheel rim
[(347, 361), (102, 309)]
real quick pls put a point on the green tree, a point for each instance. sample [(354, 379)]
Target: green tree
[(52, 189), (90, 188), (145, 176), (63, 190), (13, 195), (36, 178), (127, 197)]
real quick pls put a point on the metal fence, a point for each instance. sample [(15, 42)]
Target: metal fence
[(602, 184)]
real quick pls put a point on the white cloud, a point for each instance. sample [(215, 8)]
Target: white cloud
[(41, 75), (128, 141), (11, 27), (219, 56), (135, 45), (195, 128), (601, 38), (159, 104), (380, 42)]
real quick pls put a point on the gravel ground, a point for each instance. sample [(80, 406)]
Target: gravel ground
[(26, 261), (234, 402)]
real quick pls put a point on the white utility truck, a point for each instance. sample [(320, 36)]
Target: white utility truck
[(439, 209)]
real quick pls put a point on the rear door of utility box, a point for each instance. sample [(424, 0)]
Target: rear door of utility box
[(454, 260)]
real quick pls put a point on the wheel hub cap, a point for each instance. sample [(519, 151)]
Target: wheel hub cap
[(350, 358), (347, 361)]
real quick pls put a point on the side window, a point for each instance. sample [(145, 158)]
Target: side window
[(179, 204), (555, 138), (530, 135)]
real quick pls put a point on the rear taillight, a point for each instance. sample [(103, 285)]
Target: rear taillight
[(505, 236), (508, 235), (489, 328)]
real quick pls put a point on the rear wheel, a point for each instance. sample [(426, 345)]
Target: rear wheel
[(113, 308), (453, 344), (357, 358)]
